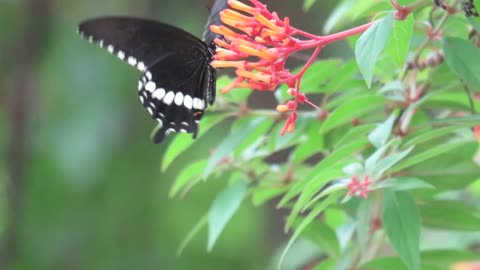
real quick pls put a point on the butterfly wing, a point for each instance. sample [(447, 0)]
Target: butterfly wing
[(177, 81), (173, 91), (214, 19), (140, 42)]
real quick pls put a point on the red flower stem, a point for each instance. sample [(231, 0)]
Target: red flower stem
[(345, 34), (309, 62)]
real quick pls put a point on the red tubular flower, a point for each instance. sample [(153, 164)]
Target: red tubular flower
[(360, 189), (257, 43)]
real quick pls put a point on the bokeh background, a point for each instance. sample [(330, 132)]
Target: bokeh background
[(80, 180)]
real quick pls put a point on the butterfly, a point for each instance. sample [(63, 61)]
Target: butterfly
[(177, 82)]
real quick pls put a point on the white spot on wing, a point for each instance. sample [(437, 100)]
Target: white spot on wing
[(168, 131), (140, 85), (141, 66), (197, 104), (183, 130), (188, 102), (90, 39), (150, 110), (150, 86), (185, 124), (179, 98), (132, 61), (141, 99), (121, 55), (168, 99), (159, 93), (110, 48), (149, 75), (100, 43)]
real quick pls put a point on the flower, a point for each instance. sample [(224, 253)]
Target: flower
[(257, 44), (360, 189)]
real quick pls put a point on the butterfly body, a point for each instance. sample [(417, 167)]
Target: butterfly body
[(177, 82)]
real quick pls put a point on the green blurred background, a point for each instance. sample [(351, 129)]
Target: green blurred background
[(81, 185)]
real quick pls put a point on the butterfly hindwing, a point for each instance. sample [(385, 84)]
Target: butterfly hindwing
[(173, 92)]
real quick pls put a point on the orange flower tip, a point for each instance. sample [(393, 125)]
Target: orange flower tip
[(262, 53), (233, 15), (282, 108), (226, 64), (268, 23), (241, 6), (291, 127), (258, 77), (223, 31), (259, 40), (222, 43)]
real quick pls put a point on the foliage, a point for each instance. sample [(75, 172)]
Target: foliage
[(395, 155)]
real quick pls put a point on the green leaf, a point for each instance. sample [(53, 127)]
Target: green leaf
[(230, 143), (333, 187), (450, 215), (350, 10), (427, 154), (447, 257), (462, 57), (311, 188), (399, 43), (307, 4), (318, 74), (224, 206), (373, 159), (322, 235), (327, 264), (467, 121), (263, 194), (384, 263), (474, 22), (371, 44), (401, 222), (453, 169), (342, 76), (379, 135), (329, 163), (195, 230), (191, 173), (364, 217), (386, 163), (403, 183), (306, 221), (427, 136), (351, 109), (355, 132), (181, 143)]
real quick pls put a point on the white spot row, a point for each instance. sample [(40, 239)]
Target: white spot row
[(170, 97), (120, 54)]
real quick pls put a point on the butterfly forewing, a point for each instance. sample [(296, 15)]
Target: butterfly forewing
[(177, 81), (140, 42)]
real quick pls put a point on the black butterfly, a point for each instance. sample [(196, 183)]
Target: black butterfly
[(178, 82)]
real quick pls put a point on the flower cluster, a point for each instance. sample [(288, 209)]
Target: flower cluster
[(360, 189), (258, 43)]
